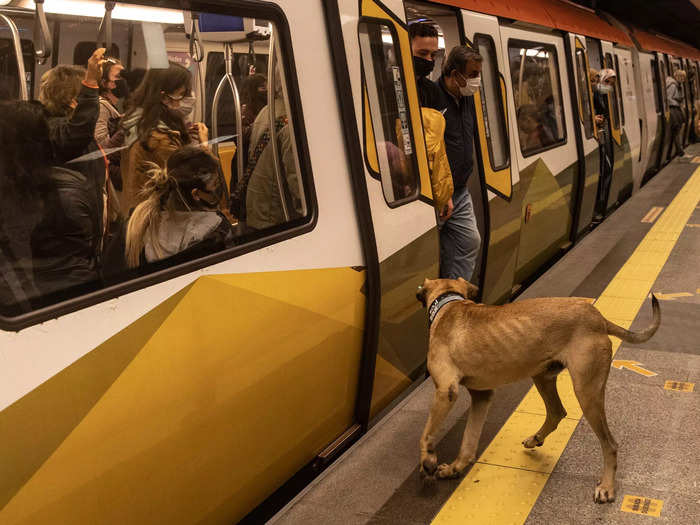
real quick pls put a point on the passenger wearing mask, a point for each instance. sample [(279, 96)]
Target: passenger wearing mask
[(253, 99), (257, 198), (70, 97), (49, 217), (424, 47), (155, 127), (108, 133), (604, 88), (179, 213), (459, 234), (674, 93)]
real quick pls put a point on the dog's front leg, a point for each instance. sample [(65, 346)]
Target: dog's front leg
[(444, 398), (481, 400)]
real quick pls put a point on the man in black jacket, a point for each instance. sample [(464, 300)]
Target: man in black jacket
[(424, 47), (459, 234)]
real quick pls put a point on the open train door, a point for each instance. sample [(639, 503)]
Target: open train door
[(492, 190), (589, 172), (386, 108)]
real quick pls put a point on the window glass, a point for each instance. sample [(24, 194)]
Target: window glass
[(584, 93), (391, 122), (613, 98), (655, 83), (538, 102), (618, 88), (148, 187), (9, 79), (492, 103)]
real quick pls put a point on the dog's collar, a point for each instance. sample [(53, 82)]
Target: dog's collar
[(441, 301)]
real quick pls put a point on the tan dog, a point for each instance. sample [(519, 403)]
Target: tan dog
[(483, 347)]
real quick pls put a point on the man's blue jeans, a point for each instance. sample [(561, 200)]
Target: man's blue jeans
[(459, 239)]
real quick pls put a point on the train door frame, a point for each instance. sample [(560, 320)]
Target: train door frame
[(544, 166), (689, 106), (495, 181), (587, 147), (651, 107), (632, 121), (664, 71)]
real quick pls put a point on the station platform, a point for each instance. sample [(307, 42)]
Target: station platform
[(651, 243)]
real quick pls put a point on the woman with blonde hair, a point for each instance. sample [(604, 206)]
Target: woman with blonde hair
[(179, 211)]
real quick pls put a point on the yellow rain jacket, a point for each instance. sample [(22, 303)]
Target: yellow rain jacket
[(440, 174)]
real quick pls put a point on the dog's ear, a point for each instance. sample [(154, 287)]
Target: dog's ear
[(470, 291), (422, 292)]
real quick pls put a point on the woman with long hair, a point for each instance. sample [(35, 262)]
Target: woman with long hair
[(155, 127), (179, 211)]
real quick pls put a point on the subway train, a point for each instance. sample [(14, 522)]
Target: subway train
[(212, 389)]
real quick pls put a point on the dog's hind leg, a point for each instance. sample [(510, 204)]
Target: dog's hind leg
[(446, 392), (589, 374), (481, 400), (546, 384)]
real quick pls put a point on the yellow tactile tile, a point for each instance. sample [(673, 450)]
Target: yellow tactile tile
[(503, 487), (507, 449), (532, 402), (475, 502)]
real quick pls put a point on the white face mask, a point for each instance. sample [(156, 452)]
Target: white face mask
[(473, 85), (605, 88)]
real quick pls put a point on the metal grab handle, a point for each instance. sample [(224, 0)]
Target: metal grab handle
[(195, 43), (228, 77), (197, 55), (271, 71), (106, 29), (42, 35), (20, 57)]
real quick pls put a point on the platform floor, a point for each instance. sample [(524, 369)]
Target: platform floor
[(378, 482)]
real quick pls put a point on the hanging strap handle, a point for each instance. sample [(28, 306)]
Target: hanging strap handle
[(43, 43)]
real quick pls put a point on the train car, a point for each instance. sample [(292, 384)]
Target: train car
[(212, 387)]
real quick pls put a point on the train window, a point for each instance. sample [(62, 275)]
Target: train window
[(82, 222), (537, 93), (618, 89), (389, 112), (492, 103), (655, 83), (614, 98), (584, 92), (83, 50), (9, 79)]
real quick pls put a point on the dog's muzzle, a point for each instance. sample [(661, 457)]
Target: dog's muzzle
[(420, 295)]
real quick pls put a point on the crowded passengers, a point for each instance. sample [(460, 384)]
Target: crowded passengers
[(103, 176)]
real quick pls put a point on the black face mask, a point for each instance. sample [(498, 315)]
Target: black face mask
[(261, 98), (422, 66), (122, 88)]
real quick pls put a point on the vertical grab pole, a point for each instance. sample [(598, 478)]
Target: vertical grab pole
[(228, 78), (20, 57), (228, 58), (271, 88)]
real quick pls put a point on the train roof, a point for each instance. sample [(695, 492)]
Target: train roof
[(567, 16)]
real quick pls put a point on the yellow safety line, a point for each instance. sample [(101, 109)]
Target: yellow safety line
[(507, 479)]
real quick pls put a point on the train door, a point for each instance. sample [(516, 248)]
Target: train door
[(651, 106), (385, 99), (192, 387), (589, 131), (493, 146), (631, 120), (665, 71), (688, 100), (621, 184), (543, 144)]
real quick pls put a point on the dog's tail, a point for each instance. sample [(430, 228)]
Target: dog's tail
[(638, 337)]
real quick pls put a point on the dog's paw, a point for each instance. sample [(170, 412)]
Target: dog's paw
[(604, 494), (532, 442), (446, 471), (428, 466)]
